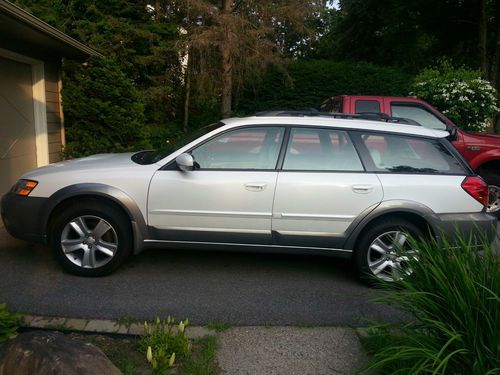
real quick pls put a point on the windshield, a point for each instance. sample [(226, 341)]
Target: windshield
[(153, 156)]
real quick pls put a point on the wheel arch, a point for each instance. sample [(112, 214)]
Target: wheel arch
[(414, 212), (102, 192), (489, 167)]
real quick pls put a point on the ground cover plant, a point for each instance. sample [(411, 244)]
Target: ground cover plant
[(9, 323), (453, 299), (165, 341), (128, 354)]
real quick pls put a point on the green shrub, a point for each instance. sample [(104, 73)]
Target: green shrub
[(164, 342), (306, 83), (460, 94), (453, 299), (103, 110), (9, 322)]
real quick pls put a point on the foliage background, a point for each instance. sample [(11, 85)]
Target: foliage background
[(311, 51), (460, 94)]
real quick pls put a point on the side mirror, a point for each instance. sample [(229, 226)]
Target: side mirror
[(453, 133), (185, 162)]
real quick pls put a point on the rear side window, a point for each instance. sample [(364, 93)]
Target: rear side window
[(332, 105), (321, 150), (367, 106), (402, 154)]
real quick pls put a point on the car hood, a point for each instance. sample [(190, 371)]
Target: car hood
[(94, 162)]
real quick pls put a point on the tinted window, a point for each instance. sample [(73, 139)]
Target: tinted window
[(248, 148), (331, 105), (321, 150), (363, 106), (393, 153), (419, 114)]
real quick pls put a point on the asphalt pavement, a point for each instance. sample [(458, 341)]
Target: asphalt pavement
[(207, 287)]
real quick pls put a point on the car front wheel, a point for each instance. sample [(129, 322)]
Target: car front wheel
[(383, 252), (91, 238)]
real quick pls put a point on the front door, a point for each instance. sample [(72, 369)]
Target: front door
[(228, 197)]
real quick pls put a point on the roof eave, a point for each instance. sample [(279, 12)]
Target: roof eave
[(38, 24)]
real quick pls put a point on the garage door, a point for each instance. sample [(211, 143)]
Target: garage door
[(17, 129)]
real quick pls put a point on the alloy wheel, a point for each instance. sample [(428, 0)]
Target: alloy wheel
[(388, 256), (494, 199), (89, 241)]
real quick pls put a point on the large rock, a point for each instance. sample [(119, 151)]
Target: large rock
[(41, 353)]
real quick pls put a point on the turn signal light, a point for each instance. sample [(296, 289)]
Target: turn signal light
[(24, 187), (477, 188)]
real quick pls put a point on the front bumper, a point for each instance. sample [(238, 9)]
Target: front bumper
[(22, 217), (473, 228)]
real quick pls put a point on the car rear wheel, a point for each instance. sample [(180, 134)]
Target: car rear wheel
[(383, 251), (493, 182), (91, 238)]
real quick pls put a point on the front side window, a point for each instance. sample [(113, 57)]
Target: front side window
[(418, 114), (321, 150), (394, 153), (247, 148)]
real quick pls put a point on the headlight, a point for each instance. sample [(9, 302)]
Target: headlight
[(24, 187)]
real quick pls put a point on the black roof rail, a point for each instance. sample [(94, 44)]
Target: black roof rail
[(345, 116)]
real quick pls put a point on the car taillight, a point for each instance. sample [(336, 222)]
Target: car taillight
[(477, 188)]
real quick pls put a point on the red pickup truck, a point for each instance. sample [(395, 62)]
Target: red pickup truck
[(481, 150)]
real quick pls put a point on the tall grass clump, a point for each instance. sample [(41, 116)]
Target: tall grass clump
[(452, 298)]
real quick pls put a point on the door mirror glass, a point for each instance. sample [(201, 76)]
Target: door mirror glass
[(453, 133), (185, 162)]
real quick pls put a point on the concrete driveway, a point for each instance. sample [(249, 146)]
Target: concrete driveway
[(207, 287)]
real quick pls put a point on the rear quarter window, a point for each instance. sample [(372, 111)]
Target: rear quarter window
[(403, 154), (367, 106)]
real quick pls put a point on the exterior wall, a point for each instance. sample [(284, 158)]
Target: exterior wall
[(54, 113), (52, 66)]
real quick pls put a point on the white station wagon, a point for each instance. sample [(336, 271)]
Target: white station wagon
[(289, 182)]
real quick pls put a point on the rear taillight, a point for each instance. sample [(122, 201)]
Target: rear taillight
[(477, 188)]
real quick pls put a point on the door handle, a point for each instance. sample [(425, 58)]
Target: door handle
[(255, 186), (362, 189)]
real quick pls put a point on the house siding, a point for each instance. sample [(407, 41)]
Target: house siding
[(54, 115)]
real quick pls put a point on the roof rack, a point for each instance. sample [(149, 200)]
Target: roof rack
[(375, 116)]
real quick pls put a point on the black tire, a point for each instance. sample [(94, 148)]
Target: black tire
[(363, 248), (116, 241), (493, 181)]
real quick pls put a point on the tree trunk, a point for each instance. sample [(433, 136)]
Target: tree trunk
[(483, 27), (227, 61), (493, 54), (187, 97), (157, 10)]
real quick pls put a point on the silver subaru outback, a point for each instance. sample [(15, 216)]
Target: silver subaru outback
[(287, 182)]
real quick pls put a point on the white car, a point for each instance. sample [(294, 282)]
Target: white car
[(285, 182)]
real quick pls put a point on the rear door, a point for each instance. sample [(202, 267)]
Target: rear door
[(322, 187)]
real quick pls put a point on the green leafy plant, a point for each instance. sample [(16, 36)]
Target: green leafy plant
[(460, 94), (164, 342), (453, 300), (307, 83), (103, 109), (9, 323)]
